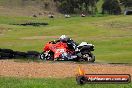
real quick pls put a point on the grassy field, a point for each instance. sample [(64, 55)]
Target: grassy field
[(52, 83), (111, 35)]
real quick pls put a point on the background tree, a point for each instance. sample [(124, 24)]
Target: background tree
[(111, 7), (126, 3), (76, 6)]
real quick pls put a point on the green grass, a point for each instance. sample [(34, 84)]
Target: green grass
[(52, 83), (111, 35)]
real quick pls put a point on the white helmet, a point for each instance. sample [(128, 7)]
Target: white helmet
[(63, 38)]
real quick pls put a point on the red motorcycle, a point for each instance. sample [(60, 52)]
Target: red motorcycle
[(68, 51)]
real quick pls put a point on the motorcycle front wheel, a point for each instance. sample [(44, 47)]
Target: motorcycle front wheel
[(88, 57)]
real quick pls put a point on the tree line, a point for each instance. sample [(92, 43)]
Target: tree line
[(90, 6), (77, 6)]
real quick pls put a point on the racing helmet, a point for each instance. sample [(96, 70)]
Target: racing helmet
[(64, 38)]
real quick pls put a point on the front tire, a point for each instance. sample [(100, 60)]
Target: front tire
[(88, 57)]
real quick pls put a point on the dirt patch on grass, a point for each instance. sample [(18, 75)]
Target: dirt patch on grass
[(21, 11), (3, 30), (57, 69), (39, 37)]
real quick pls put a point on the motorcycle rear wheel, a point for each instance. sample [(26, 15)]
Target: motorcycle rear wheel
[(47, 56)]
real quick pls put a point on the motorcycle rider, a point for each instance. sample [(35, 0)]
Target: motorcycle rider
[(64, 38), (73, 51), (71, 44)]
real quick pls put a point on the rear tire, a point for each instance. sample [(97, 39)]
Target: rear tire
[(47, 56), (42, 56)]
